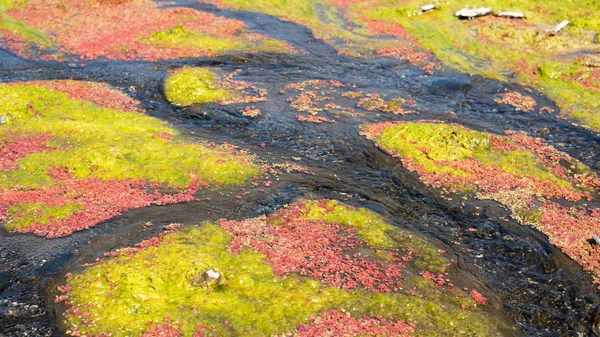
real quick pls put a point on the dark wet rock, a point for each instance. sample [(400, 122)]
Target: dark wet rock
[(448, 85)]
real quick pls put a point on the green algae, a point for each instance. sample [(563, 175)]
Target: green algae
[(432, 145), (37, 213), (133, 292), (179, 37), (104, 143), (190, 85)]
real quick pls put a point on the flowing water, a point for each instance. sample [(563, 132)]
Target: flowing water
[(536, 287)]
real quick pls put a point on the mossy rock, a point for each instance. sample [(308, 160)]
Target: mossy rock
[(190, 85), (152, 287)]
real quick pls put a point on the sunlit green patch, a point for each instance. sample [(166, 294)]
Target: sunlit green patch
[(433, 145), (179, 37), (132, 293), (191, 85), (98, 142), (27, 214)]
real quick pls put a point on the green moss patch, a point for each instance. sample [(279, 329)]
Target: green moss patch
[(190, 85), (193, 85)]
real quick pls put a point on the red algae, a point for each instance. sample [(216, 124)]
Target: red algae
[(61, 169), (100, 94), (315, 248), (162, 331), (335, 323), (98, 200), (477, 297), (127, 30), (517, 100), (316, 97), (14, 147), (305, 270), (571, 229)]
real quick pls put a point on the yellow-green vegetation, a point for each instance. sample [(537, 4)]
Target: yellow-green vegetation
[(25, 214), (179, 37), (190, 85), (133, 292), (99, 142), (433, 146), (490, 46)]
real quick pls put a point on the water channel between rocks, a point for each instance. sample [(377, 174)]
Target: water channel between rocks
[(532, 284)]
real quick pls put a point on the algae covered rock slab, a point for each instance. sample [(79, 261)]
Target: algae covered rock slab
[(79, 153), (311, 267), (540, 185)]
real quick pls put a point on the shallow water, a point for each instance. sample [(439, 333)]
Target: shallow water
[(537, 288)]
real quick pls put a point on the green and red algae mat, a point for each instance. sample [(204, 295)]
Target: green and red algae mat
[(313, 268), (565, 67), (122, 30), (540, 185), (74, 154)]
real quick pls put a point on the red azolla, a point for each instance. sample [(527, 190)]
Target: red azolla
[(314, 248), (101, 94), (118, 30), (335, 323), (14, 147), (162, 331), (477, 297), (99, 200), (517, 100)]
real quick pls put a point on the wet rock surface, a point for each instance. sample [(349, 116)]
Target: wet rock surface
[(542, 291)]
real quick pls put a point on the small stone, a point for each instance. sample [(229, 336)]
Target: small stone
[(596, 239), (2, 120), (427, 8), (511, 15), (207, 279), (558, 27), (470, 13)]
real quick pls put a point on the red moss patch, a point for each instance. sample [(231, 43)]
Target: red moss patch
[(117, 29), (335, 323), (100, 94), (517, 100), (100, 200), (14, 147), (326, 251)]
